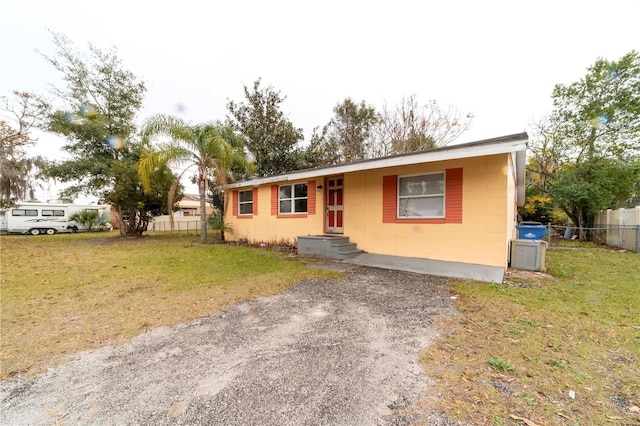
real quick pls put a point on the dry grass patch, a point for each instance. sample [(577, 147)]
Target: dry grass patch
[(554, 350), (63, 294)]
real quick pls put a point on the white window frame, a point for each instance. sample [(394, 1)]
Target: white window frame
[(404, 197), (293, 198), (244, 203)]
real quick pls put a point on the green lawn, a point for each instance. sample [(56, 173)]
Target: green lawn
[(565, 349), (561, 348), (63, 294)]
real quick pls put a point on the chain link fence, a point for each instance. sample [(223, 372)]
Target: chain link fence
[(614, 228), (622, 236)]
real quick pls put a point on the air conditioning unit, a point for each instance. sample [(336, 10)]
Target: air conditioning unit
[(528, 254)]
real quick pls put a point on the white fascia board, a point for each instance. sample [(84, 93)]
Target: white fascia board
[(453, 153), (521, 164)]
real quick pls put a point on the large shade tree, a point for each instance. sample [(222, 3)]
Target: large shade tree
[(269, 134), (348, 133), (95, 111), (585, 155), (136, 204), (212, 148), (584, 188), (599, 115)]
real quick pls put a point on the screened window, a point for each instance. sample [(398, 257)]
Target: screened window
[(24, 212), (52, 212), (245, 202), (421, 196), (292, 198)]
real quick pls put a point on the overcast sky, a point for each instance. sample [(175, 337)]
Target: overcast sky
[(498, 60)]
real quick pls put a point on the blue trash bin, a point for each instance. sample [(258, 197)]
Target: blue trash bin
[(531, 231), (568, 233)]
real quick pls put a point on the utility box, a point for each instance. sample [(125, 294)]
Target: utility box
[(528, 254)]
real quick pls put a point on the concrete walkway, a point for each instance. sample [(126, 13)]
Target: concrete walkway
[(431, 267)]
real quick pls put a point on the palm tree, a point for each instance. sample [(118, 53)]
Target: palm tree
[(212, 147)]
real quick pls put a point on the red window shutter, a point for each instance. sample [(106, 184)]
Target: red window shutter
[(311, 197), (274, 200), (389, 198), (235, 203), (453, 194), (255, 201)]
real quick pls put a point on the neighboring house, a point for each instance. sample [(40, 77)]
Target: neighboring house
[(451, 208), (186, 218), (189, 205)]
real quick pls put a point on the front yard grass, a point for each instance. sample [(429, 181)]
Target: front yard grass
[(547, 349), (556, 349), (63, 294)]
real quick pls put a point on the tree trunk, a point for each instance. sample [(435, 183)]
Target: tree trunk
[(202, 187), (581, 230), (170, 198), (121, 226), (586, 225), (138, 222)]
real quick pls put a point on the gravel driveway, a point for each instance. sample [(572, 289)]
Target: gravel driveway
[(323, 352)]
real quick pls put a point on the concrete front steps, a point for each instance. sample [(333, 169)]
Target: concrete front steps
[(335, 247)]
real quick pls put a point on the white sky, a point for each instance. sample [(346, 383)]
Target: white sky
[(498, 60)]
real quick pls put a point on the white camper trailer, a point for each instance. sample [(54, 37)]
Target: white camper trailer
[(45, 218)]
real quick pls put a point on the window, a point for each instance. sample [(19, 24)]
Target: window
[(421, 196), (412, 199), (292, 198), (53, 213), (291, 201), (245, 202), (24, 212)]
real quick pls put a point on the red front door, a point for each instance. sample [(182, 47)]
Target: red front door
[(334, 205)]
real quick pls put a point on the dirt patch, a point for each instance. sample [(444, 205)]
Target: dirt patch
[(337, 352), (522, 278)]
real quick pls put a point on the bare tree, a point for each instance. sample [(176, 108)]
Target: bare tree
[(20, 115), (414, 127), (546, 156)]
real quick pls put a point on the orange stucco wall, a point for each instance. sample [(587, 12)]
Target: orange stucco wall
[(488, 192), (265, 227)]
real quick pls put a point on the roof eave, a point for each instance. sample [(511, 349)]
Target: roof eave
[(501, 145)]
